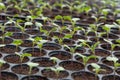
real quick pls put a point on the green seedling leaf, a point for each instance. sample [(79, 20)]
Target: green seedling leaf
[(66, 46), (97, 68), (2, 6), (28, 23), (81, 40), (58, 17), (106, 11), (68, 36), (23, 55), (8, 34), (75, 19), (106, 28), (118, 21), (94, 65), (2, 27), (112, 45), (96, 19), (118, 41), (58, 69), (93, 47), (44, 18), (68, 18), (17, 42), (54, 59), (86, 58), (38, 24), (37, 39), (32, 39), (112, 58), (80, 55), (117, 64), (43, 41), (28, 18), (87, 8), (31, 64)]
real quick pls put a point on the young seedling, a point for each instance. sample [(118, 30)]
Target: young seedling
[(94, 27), (67, 18), (97, 69), (45, 19), (115, 63), (7, 34), (40, 44), (2, 6), (28, 24), (92, 48), (86, 58), (1, 64), (59, 39), (87, 9), (57, 71), (17, 43), (54, 59), (47, 33), (22, 56), (39, 25), (74, 20), (72, 49), (35, 41), (59, 17), (112, 45), (60, 29), (31, 65), (105, 12), (107, 28), (118, 41)]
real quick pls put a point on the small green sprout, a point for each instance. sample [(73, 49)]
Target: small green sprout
[(97, 69), (107, 28), (2, 6), (54, 59), (115, 63), (59, 17), (28, 24), (17, 43), (7, 34), (86, 58), (31, 65), (72, 49), (114, 60), (92, 48), (57, 70), (111, 44), (40, 43), (105, 11), (22, 56), (74, 20)]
